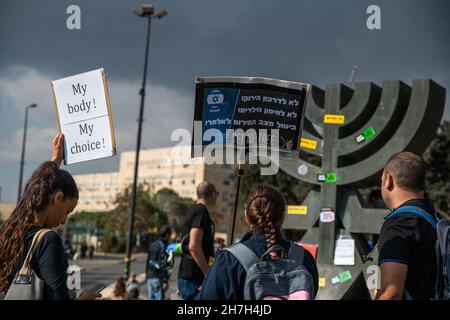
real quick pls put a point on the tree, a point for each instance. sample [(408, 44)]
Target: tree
[(173, 206), (153, 210), (148, 217), (96, 219), (437, 158)]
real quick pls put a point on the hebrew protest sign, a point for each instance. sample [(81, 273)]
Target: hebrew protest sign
[(84, 116), (237, 108)]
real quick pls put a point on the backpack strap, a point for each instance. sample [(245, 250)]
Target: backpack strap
[(415, 210), (243, 254), (296, 253), (162, 248), (438, 284), (371, 254)]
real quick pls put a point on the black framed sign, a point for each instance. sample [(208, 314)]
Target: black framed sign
[(241, 111)]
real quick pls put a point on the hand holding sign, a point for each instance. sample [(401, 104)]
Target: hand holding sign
[(84, 116), (58, 149)]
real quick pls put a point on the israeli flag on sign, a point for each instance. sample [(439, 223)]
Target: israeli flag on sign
[(215, 97)]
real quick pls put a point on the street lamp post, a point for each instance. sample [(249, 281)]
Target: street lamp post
[(352, 74), (22, 157), (148, 13)]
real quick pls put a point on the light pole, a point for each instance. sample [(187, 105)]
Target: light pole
[(22, 158), (145, 12)]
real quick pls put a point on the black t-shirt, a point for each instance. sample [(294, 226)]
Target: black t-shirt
[(198, 217), (410, 239), (49, 262)]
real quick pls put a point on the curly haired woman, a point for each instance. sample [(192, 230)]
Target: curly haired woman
[(49, 196)]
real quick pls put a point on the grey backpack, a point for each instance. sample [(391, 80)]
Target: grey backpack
[(26, 285), (443, 256), (282, 279)]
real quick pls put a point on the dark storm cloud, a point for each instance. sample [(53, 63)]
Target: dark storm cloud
[(310, 41), (313, 41)]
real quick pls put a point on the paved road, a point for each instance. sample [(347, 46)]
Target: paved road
[(107, 269)]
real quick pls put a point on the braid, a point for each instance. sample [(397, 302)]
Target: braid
[(265, 211), (270, 229)]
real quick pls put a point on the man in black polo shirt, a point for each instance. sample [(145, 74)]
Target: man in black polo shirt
[(407, 241), (199, 230)]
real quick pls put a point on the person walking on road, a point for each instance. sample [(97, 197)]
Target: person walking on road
[(157, 271)]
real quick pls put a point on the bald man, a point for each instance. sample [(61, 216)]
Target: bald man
[(199, 230)]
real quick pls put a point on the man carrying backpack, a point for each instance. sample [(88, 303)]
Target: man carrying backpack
[(157, 271), (407, 243)]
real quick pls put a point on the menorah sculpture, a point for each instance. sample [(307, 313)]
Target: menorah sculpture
[(352, 133)]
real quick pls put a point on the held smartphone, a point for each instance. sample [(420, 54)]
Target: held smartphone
[(98, 287)]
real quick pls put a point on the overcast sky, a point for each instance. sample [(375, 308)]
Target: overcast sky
[(300, 40)]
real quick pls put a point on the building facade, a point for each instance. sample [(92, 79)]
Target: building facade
[(6, 208), (97, 191)]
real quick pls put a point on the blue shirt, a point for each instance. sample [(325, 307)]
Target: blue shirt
[(226, 278)]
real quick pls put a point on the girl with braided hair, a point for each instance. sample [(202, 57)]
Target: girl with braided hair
[(49, 196), (264, 213)]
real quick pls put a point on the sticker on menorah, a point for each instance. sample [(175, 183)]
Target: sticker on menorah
[(298, 210), (327, 215), (345, 276), (334, 119), (302, 170), (335, 280), (365, 135), (308, 144), (360, 138), (322, 282), (84, 116), (330, 177), (247, 114)]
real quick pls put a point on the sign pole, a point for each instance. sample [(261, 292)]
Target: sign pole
[(240, 173)]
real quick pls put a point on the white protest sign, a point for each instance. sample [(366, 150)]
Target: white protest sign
[(84, 116)]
